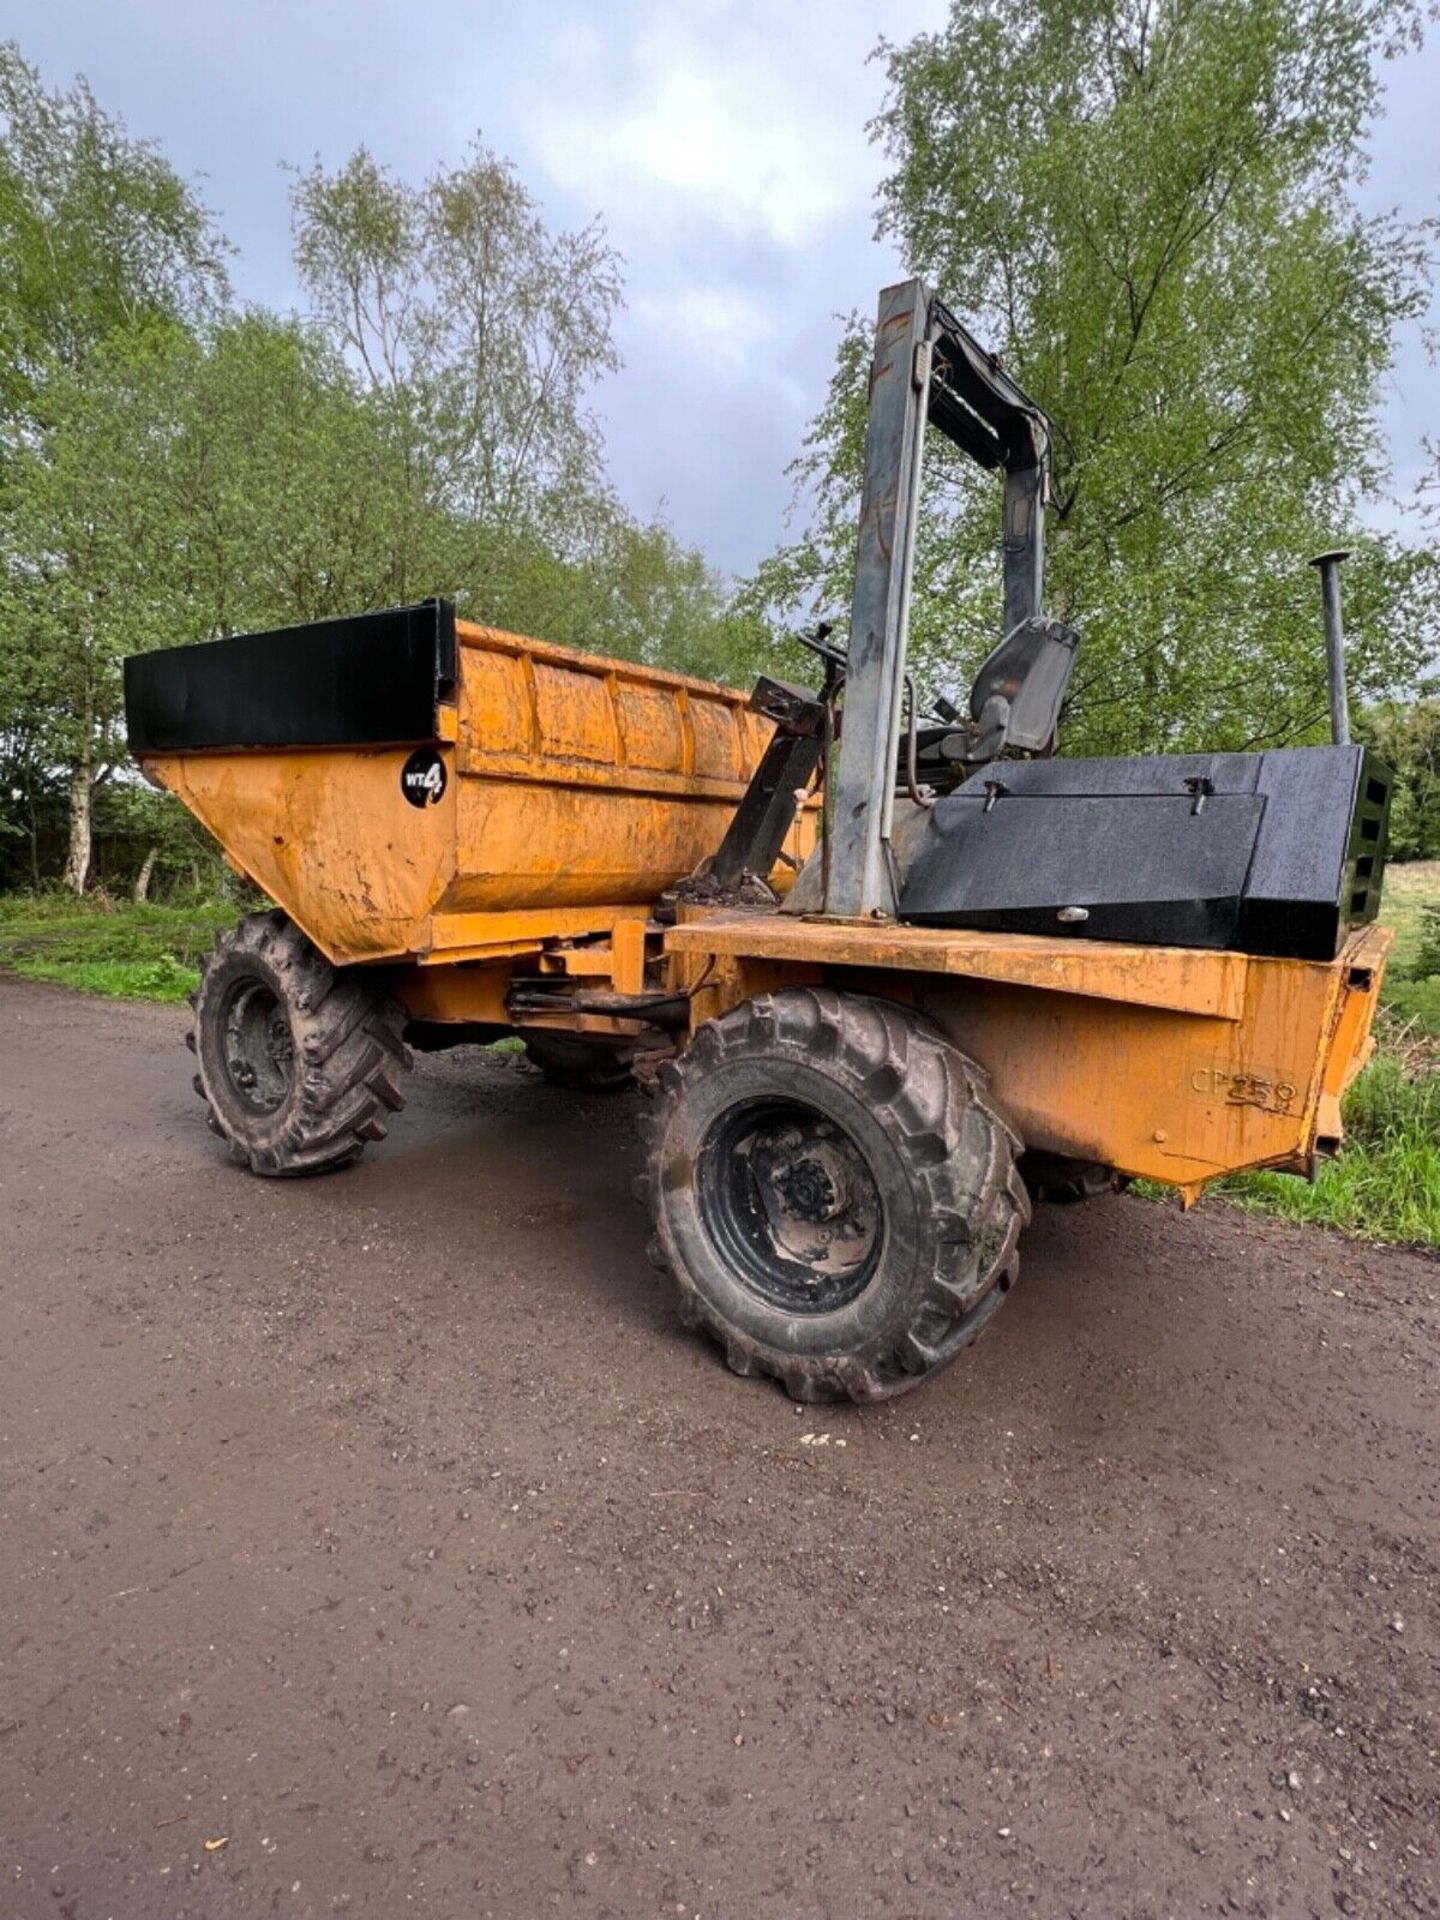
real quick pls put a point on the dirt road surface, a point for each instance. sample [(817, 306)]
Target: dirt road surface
[(380, 1545)]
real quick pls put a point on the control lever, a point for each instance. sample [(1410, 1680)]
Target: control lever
[(836, 662)]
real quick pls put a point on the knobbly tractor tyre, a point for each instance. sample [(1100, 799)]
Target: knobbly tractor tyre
[(581, 1066), (834, 1193), (300, 1062)]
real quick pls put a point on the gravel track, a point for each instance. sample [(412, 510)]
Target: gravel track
[(388, 1528)]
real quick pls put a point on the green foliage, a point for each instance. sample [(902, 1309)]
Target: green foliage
[(98, 234), (99, 946), (474, 334), (288, 493), (479, 329), (641, 596), (96, 928), (133, 822), (163, 979), (87, 530), (1412, 984), (1145, 208), (1407, 735), (1426, 963), (108, 261), (1415, 997), (1410, 905)]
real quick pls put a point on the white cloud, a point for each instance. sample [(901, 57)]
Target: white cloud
[(721, 115), (724, 143), (723, 327)]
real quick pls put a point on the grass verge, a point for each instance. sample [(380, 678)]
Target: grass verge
[(1411, 995), (103, 946)]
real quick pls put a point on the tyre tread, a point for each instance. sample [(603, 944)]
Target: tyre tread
[(924, 1091), (349, 1051)]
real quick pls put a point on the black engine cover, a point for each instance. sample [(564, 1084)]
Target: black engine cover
[(1276, 853)]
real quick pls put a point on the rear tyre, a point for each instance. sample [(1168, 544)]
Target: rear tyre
[(581, 1066), (834, 1192), (300, 1062)]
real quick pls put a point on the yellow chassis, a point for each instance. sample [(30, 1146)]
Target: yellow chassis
[(1175, 1064), (572, 780)]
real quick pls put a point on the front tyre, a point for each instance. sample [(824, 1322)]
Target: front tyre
[(834, 1193), (300, 1062)]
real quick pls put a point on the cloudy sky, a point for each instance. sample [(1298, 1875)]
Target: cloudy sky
[(723, 141)]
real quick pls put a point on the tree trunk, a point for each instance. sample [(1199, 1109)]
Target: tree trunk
[(142, 879), (77, 860), (34, 830)]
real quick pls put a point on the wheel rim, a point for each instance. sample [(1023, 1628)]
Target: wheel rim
[(257, 1047), (790, 1199)]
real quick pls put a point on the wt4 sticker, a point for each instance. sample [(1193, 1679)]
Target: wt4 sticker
[(422, 778)]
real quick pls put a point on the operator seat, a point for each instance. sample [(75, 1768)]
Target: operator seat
[(1016, 697)]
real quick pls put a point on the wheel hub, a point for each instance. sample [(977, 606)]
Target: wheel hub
[(794, 1200), (258, 1046), (812, 1186)]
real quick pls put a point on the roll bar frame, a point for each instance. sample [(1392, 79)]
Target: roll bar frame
[(927, 369)]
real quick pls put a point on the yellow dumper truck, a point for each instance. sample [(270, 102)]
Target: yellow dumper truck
[(886, 976)]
